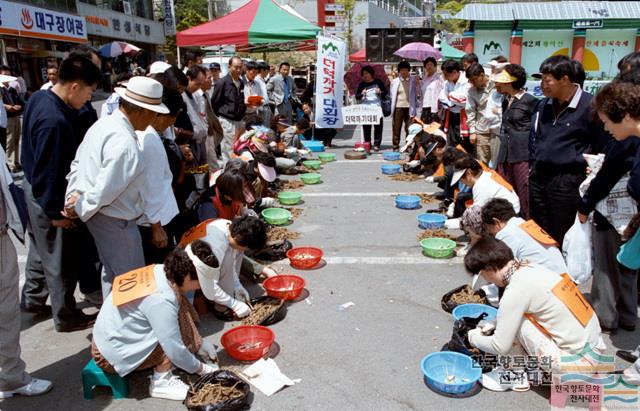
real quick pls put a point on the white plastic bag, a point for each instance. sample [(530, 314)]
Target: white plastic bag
[(577, 251)]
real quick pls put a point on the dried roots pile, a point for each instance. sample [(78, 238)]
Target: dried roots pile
[(409, 177), (291, 185), (279, 234), (262, 310), (467, 296), (213, 394), (440, 233)]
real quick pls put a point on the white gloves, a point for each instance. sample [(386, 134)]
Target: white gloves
[(269, 272), (267, 202), (473, 334), (303, 152), (240, 309), (452, 224), (208, 368), (240, 293), (291, 150), (414, 163), (429, 179), (208, 350), (451, 210)]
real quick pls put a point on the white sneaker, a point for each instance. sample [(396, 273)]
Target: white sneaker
[(630, 375), (504, 380), (35, 387), (170, 387)]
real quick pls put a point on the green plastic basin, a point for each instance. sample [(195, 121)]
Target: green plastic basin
[(289, 197), (276, 216), (438, 247), (327, 157), (310, 178), (313, 164)]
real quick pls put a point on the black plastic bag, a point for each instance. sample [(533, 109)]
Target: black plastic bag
[(449, 305), (460, 340), (272, 253), (227, 379), (277, 316)]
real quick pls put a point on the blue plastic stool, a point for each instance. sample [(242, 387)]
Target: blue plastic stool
[(93, 376)]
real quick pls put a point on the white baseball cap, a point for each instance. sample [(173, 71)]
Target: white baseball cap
[(158, 67), (457, 176), (144, 92)]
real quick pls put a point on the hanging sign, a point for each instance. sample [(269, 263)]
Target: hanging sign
[(28, 21), (329, 82)]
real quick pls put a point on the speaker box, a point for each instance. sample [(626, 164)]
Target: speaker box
[(416, 34), (374, 44), (391, 43)]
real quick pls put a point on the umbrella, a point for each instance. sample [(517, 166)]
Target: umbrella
[(116, 48), (353, 76), (418, 51)]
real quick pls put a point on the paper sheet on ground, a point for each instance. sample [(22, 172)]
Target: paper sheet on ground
[(267, 377)]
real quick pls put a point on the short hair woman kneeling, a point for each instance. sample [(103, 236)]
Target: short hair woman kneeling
[(539, 308), (157, 330)]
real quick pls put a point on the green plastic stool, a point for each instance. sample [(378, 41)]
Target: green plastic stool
[(93, 376)]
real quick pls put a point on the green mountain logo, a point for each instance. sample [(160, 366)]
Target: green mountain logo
[(491, 45), (330, 46)]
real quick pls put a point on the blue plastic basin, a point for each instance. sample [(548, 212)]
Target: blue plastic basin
[(390, 169), (391, 155), (408, 202), (438, 365), (314, 146), (474, 311), (431, 221)]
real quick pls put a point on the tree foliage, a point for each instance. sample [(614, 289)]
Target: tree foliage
[(189, 13), (452, 7)]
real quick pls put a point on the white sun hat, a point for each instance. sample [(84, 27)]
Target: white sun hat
[(143, 92)]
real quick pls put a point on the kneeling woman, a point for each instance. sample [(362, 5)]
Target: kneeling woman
[(153, 326), (543, 310)]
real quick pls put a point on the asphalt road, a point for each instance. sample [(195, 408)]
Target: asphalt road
[(366, 357)]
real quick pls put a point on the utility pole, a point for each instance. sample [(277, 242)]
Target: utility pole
[(211, 6)]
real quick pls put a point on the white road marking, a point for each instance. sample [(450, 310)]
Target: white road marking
[(360, 161), (406, 260), (329, 194)]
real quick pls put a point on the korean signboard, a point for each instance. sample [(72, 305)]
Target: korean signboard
[(604, 48), (28, 21), (358, 114), (537, 45), (329, 82), (488, 44), (169, 18), (107, 23)]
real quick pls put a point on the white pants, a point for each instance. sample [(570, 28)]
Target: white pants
[(230, 129)]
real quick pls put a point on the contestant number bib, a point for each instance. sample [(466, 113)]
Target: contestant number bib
[(534, 230), (572, 298), (195, 233), (133, 285)]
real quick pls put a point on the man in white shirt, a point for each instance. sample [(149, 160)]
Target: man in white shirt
[(106, 179), (193, 97), (265, 112), (454, 99), (402, 93), (52, 77), (525, 238), (430, 87), (160, 204), (254, 89)]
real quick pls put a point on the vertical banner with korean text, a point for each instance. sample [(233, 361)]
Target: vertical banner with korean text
[(329, 82), (169, 18)]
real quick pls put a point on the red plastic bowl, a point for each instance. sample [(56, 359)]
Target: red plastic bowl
[(304, 257), (248, 342), (284, 287)]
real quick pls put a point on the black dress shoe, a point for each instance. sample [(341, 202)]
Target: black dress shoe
[(628, 356), (607, 330), (80, 321), (629, 328), (36, 309)]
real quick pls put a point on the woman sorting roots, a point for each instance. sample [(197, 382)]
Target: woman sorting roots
[(146, 322), (541, 310)]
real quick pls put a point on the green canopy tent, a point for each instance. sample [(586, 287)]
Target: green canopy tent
[(449, 52), (256, 24)]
